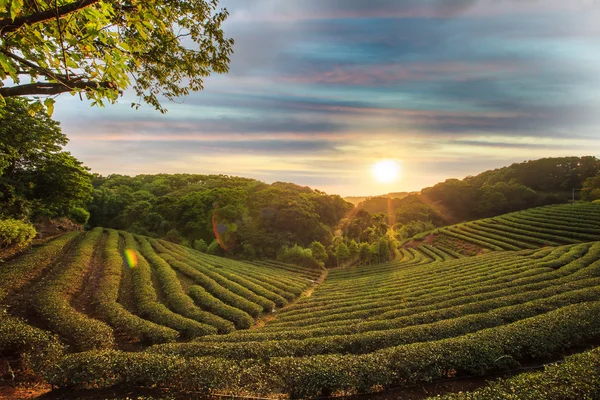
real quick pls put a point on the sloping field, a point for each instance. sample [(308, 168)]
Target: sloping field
[(418, 319), (107, 289), (530, 229)]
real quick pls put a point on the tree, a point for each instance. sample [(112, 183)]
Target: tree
[(101, 47), (36, 176), (200, 245), (364, 253), (384, 250), (353, 248), (318, 251), (591, 188), (342, 253)]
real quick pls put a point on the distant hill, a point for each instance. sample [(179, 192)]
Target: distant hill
[(394, 195), (516, 187)]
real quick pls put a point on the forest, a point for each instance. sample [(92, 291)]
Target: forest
[(248, 219)]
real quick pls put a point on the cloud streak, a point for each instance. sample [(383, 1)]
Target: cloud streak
[(320, 90)]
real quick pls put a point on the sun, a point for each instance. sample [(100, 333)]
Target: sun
[(386, 171)]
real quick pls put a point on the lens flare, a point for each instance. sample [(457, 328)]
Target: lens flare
[(131, 258)]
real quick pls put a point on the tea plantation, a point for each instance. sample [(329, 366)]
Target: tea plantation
[(103, 308)]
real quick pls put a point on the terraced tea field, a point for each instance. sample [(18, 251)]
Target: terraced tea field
[(545, 226), (530, 296)]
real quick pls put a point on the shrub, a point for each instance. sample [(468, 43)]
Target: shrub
[(200, 245), (16, 234), (34, 350), (299, 256), (79, 215)]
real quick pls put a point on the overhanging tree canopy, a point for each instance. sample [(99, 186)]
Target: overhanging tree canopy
[(99, 47)]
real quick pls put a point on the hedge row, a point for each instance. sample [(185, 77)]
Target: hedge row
[(500, 227), (489, 350), (207, 301), (572, 260), (516, 233), (577, 378), (508, 242), (218, 291), (503, 300), (252, 291), (14, 274), (51, 300), (106, 295), (292, 284), (542, 229), (34, 350), (147, 302), (234, 287), (346, 286), (375, 340), (174, 295), (469, 235), (390, 308)]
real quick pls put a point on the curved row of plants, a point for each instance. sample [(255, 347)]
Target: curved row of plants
[(536, 339), (543, 226)]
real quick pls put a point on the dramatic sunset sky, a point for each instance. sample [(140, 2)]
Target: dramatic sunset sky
[(321, 90)]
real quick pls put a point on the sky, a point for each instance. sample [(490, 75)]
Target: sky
[(319, 91)]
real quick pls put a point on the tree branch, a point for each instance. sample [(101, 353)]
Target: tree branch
[(43, 71), (7, 25), (49, 88)]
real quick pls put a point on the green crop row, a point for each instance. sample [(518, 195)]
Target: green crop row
[(147, 303), (207, 301), (292, 285), (404, 289), (14, 274), (31, 350), (538, 338), (455, 233), (371, 341), (106, 295), (234, 287), (51, 301), (430, 253), (215, 289), (173, 293), (427, 314), (577, 378), (546, 230), (509, 243), (243, 287), (474, 290), (501, 228), (368, 309)]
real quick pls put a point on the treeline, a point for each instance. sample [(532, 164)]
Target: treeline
[(217, 213), (39, 181), (37, 177), (513, 188)]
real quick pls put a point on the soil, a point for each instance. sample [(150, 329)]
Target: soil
[(82, 300)]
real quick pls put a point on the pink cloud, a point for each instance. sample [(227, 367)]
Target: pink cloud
[(373, 75)]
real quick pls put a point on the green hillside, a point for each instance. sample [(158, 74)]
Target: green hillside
[(530, 229), (139, 312)]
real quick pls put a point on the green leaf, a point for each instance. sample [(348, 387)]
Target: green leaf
[(15, 8), (49, 103)]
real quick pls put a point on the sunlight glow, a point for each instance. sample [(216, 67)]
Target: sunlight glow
[(386, 171)]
